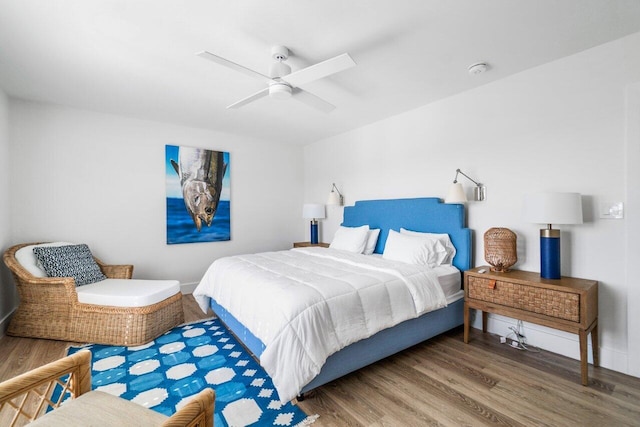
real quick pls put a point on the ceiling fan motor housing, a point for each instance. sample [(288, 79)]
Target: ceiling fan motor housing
[(279, 69), (279, 90)]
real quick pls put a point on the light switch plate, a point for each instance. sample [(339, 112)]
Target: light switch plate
[(612, 210)]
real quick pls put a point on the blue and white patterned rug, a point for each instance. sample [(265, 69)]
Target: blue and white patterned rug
[(162, 374)]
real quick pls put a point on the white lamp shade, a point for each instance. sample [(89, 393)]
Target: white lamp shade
[(456, 194), (553, 208), (334, 198), (313, 211)]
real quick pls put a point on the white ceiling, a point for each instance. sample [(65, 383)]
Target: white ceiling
[(137, 57)]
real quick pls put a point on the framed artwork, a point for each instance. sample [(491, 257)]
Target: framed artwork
[(198, 195)]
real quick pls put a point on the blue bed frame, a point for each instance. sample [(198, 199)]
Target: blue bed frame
[(418, 214)]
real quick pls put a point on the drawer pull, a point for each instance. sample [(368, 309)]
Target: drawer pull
[(492, 284)]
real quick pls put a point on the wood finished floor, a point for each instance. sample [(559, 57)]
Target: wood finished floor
[(442, 382)]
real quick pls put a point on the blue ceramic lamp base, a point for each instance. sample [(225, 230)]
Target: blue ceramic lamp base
[(314, 232), (550, 254)]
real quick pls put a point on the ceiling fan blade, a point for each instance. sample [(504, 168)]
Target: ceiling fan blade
[(312, 101), (260, 94), (229, 64), (319, 70)]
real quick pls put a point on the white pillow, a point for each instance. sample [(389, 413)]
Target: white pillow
[(352, 239), (414, 250), (442, 237), (28, 260), (371, 241)]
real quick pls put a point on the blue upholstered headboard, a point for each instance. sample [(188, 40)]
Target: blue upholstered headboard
[(421, 214)]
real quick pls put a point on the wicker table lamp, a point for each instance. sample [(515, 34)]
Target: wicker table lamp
[(500, 249)]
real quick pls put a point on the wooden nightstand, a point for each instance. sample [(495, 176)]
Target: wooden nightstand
[(309, 244), (567, 304)]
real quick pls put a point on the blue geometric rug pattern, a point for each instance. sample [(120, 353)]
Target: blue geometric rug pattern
[(162, 374)]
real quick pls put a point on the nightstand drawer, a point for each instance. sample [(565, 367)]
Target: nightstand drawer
[(550, 302)]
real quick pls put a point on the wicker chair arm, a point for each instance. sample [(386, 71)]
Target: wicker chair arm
[(16, 268), (14, 392), (198, 412), (124, 271), (47, 281), (25, 277), (55, 290)]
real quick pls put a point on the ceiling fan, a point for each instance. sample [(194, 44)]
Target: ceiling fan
[(282, 83)]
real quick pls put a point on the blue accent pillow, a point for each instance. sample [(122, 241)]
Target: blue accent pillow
[(69, 261)]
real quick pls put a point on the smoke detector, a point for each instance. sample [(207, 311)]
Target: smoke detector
[(478, 68)]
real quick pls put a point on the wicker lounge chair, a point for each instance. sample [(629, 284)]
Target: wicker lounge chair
[(26, 398), (49, 308)]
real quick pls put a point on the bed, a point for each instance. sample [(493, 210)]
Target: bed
[(418, 214)]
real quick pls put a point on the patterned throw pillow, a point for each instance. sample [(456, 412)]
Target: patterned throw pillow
[(69, 261)]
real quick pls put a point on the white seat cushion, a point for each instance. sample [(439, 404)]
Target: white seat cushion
[(97, 408), (127, 292)]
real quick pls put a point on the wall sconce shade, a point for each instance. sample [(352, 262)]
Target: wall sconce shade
[(335, 196), (552, 208), (456, 191), (313, 212), (456, 194)]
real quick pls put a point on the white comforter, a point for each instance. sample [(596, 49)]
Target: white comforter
[(306, 304)]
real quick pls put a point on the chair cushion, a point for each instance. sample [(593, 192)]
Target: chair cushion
[(99, 408), (70, 261), (28, 260), (127, 292)]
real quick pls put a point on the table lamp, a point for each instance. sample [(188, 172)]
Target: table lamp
[(552, 208), (313, 212)]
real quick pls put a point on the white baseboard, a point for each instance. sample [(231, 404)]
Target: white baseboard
[(555, 341), (188, 288)]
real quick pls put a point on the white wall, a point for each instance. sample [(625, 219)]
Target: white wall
[(632, 231), (7, 290), (560, 126), (95, 178)]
